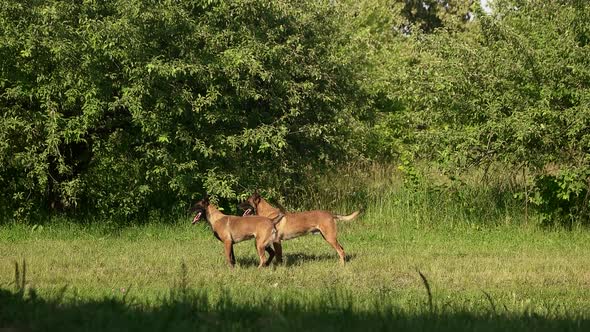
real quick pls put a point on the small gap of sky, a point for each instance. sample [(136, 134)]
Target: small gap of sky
[(486, 6)]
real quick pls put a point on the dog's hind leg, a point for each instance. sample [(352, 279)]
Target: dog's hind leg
[(279, 251), (260, 248), (233, 257), (334, 243), (271, 255), (330, 237)]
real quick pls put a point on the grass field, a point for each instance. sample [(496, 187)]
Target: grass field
[(158, 277), (485, 270)]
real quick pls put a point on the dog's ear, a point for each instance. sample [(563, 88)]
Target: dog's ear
[(257, 195), (206, 199)]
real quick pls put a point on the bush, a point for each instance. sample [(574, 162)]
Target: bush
[(116, 107), (512, 89)]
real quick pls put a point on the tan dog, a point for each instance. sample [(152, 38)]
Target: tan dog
[(234, 229), (296, 224)]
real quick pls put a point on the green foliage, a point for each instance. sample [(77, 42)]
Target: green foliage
[(115, 107), (563, 197), (120, 107), (513, 89), (428, 15)]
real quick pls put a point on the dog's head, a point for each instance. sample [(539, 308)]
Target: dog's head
[(200, 208), (250, 206)]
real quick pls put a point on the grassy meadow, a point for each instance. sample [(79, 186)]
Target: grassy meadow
[(485, 270)]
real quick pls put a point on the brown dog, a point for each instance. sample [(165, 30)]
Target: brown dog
[(234, 229), (296, 224)]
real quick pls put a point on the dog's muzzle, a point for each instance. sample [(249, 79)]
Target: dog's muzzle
[(247, 212), (197, 217)]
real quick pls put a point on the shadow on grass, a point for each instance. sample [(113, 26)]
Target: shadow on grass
[(293, 259), (187, 310), (298, 258)]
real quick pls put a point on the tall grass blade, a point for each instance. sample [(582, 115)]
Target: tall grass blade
[(16, 276), (491, 300), (427, 286)]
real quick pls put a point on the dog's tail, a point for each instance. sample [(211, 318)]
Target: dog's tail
[(278, 218), (351, 216)]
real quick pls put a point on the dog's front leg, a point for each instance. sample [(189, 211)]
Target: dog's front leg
[(229, 252)]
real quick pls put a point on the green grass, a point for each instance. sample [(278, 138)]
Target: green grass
[(485, 269), (134, 278)]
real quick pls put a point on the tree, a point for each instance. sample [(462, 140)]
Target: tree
[(120, 107), (517, 93)]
